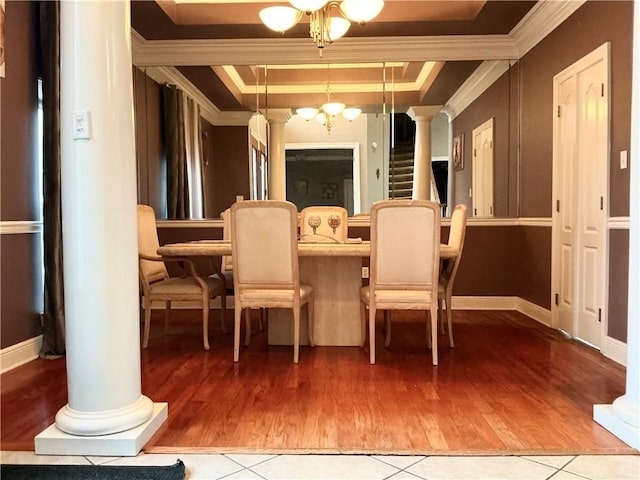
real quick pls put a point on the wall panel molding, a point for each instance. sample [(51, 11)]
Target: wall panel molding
[(618, 223)]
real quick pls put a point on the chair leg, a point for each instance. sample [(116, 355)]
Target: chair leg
[(247, 326), (363, 321), (237, 320), (387, 328), (372, 334), (223, 311), (296, 333), (310, 321), (450, 320), (428, 327), (441, 315), (205, 319), (147, 323), (167, 316), (434, 333)]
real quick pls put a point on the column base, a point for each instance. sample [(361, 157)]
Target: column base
[(628, 433), (54, 441)]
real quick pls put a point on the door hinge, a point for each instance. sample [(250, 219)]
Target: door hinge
[(491, 210), (475, 211), (558, 206), (474, 153), (558, 111), (557, 299), (602, 90), (601, 203), (600, 315)]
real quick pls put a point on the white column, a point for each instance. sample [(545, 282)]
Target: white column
[(422, 153), (277, 166), (99, 229), (622, 418)]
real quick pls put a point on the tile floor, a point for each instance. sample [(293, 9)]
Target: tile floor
[(370, 467)]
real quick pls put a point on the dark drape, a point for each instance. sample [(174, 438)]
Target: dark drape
[(53, 322), (177, 185)]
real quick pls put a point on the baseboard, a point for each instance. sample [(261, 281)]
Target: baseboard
[(20, 353), (615, 350), (521, 305)]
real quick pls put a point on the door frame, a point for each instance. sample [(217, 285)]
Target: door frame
[(602, 53)]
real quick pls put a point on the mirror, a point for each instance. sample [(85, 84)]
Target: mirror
[(384, 92)]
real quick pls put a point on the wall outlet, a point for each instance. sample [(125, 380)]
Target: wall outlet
[(365, 272), (81, 130), (624, 159)]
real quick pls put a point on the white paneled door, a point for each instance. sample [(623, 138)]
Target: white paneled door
[(580, 193), (482, 170)]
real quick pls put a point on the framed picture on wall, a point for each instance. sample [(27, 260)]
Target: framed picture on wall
[(458, 152)]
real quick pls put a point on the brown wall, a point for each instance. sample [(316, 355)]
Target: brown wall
[(592, 25), (20, 271), (496, 102), (227, 172), (618, 284)]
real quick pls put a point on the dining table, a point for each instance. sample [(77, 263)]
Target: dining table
[(333, 269)]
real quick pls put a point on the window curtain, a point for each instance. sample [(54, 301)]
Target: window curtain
[(193, 150), (177, 184), (53, 319), (183, 142)]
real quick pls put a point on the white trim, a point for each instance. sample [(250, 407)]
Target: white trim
[(615, 350), (618, 223), (536, 312), (540, 21), (20, 353), (208, 110), (264, 51), (20, 227), (481, 79)]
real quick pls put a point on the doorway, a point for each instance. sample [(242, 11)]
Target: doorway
[(580, 197), (482, 170)]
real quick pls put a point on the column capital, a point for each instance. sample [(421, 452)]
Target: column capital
[(279, 115), (422, 112)]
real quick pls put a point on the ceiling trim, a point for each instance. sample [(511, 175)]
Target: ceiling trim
[(347, 50), (208, 110), (482, 78), (540, 21)]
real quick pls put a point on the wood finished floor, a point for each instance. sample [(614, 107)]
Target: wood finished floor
[(510, 386)]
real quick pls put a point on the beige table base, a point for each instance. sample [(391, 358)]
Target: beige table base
[(336, 283)]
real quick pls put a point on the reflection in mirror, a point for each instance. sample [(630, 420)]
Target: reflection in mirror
[(235, 157)]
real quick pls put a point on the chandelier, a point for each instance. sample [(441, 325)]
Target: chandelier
[(327, 112), (324, 26)]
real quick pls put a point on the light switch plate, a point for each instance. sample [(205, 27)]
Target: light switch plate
[(624, 157), (81, 129)]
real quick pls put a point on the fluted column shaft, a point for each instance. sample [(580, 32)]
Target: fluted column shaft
[(277, 166), (422, 152)]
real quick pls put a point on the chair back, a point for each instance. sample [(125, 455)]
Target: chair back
[(226, 264), (264, 244), (148, 244), (323, 224), (405, 245), (457, 233)]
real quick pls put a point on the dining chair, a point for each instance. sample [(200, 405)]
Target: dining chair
[(450, 266), (225, 272), (404, 266), (323, 224), (265, 264), (157, 285)]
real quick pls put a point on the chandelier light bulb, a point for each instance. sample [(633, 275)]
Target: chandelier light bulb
[(351, 113), (333, 108), (308, 6), (322, 118), (307, 112), (280, 18), (361, 11), (337, 27)]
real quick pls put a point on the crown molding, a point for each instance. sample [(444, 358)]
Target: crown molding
[(481, 79), (540, 21), (208, 110), (347, 50)]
